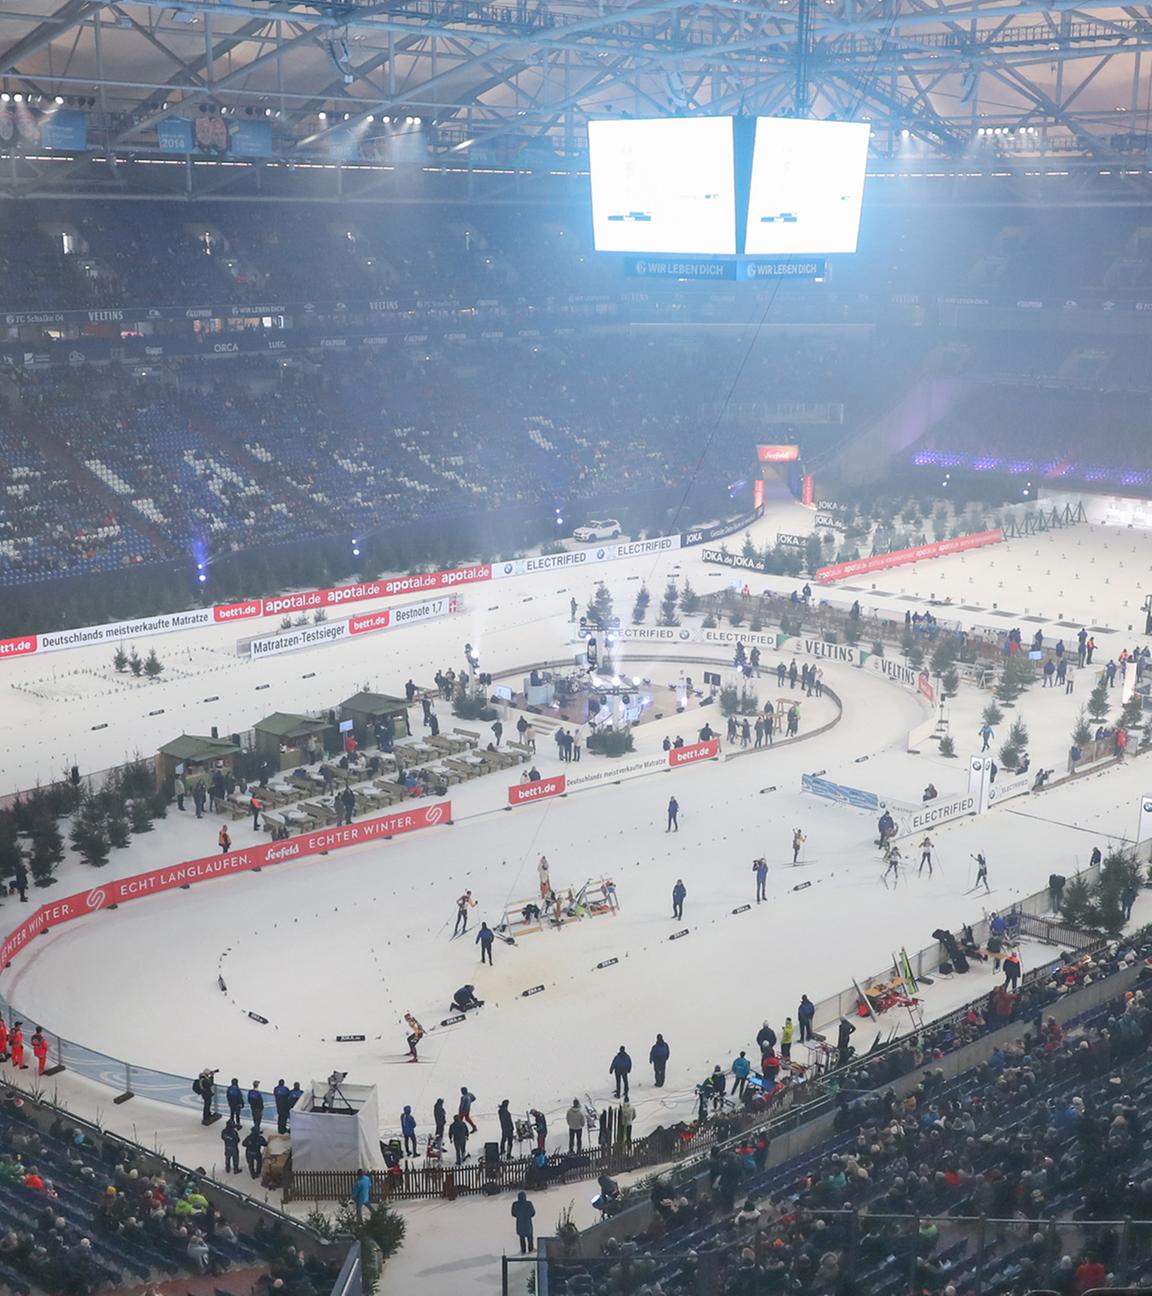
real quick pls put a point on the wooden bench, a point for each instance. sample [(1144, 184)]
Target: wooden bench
[(443, 743), (473, 739), (466, 769), (319, 812)]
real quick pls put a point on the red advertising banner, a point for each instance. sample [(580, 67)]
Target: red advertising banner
[(18, 647), (416, 583), (758, 493), (881, 562), (117, 891), (238, 611), (777, 453), (537, 790), (694, 752), (924, 684), (371, 621), (807, 490)]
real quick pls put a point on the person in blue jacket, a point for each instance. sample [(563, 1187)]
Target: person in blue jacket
[(658, 1056), (679, 891), (741, 1068), (361, 1192), (484, 939), (620, 1068), (804, 1015), (256, 1103), (283, 1099), (523, 1212), (235, 1096), (408, 1129)]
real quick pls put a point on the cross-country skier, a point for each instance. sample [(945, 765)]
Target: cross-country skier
[(894, 858), (925, 855), (462, 906), (798, 840), (981, 872)]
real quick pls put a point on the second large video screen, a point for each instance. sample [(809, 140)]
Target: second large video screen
[(807, 186)]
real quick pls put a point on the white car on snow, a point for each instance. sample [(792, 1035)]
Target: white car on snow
[(608, 529)]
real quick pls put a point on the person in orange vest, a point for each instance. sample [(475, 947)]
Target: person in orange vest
[(40, 1050), (255, 805), (3, 1038), (1012, 972), (224, 839), (16, 1046)]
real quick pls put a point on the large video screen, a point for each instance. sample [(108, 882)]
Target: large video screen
[(663, 185), (807, 186)]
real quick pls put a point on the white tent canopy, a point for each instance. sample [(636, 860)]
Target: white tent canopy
[(337, 1139)]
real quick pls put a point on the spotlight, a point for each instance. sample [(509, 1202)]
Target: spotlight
[(386, 120), (17, 98), (322, 115), (416, 121), (347, 115), (371, 117), (5, 97), (201, 578), (60, 99), (267, 112)]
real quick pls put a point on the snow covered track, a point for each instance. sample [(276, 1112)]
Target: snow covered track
[(345, 944)]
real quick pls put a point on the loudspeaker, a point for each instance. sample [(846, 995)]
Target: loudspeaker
[(491, 1155), (235, 739), (215, 732)]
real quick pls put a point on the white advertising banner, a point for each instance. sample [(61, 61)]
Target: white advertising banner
[(588, 557), (316, 636), (117, 631), (933, 814)]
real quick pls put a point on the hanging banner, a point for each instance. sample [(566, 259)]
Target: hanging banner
[(777, 453)]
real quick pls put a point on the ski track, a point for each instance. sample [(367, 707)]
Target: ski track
[(348, 943)]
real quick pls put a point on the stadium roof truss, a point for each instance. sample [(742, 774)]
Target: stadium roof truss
[(519, 79)]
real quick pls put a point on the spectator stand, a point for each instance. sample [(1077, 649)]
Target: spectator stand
[(83, 1208)]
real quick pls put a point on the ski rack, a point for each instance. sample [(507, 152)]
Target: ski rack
[(592, 900)]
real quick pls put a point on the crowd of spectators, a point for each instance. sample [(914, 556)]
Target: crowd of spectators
[(1064, 435), (59, 254), (202, 462), (1052, 1126), (51, 522), (77, 1216)]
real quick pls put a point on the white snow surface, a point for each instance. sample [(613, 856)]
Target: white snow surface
[(347, 943)]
